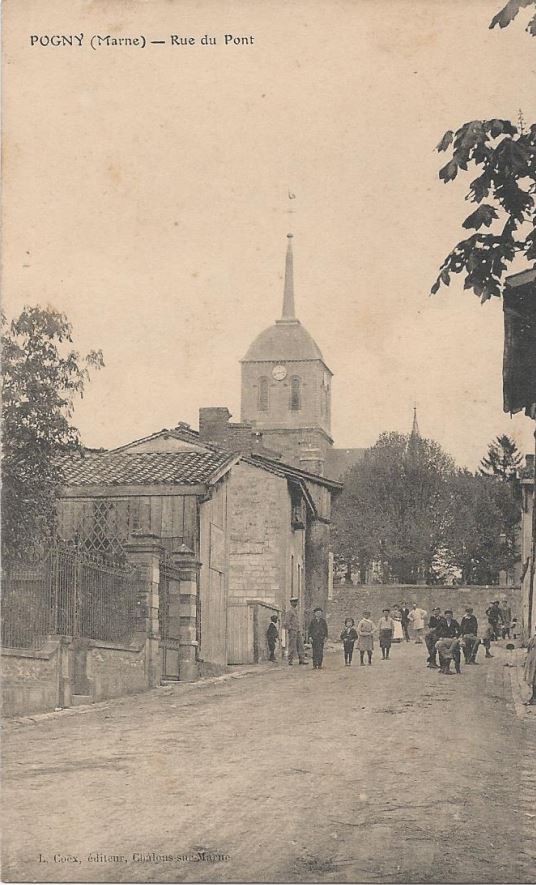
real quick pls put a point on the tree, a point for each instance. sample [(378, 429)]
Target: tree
[(504, 157), (42, 377), (393, 504), (481, 535), (503, 459)]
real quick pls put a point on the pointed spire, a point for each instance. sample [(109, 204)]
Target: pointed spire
[(288, 296), (415, 428)]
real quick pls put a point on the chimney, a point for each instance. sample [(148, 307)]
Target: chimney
[(214, 424)]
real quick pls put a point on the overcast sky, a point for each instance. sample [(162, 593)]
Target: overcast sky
[(146, 196)]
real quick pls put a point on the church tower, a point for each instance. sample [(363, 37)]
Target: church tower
[(286, 387)]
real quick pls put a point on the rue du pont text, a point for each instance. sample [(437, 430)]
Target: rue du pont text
[(98, 41)]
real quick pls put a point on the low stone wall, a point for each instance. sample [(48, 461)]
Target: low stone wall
[(37, 681), (349, 601), (31, 679), (115, 670)]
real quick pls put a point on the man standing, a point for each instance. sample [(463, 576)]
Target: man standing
[(469, 634), (494, 617), (432, 635), (291, 623), (506, 615), (417, 617), (404, 615), (272, 635), (318, 633), (450, 632)]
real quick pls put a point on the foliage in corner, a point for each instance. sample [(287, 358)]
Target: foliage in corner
[(504, 157), (42, 376), (508, 13)]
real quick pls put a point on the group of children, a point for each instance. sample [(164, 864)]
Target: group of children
[(364, 636)]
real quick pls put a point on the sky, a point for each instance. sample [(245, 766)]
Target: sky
[(146, 195)]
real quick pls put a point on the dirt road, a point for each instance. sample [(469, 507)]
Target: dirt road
[(363, 774)]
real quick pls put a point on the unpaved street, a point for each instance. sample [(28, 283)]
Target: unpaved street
[(383, 773)]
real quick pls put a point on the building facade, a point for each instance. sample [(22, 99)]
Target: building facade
[(258, 528)]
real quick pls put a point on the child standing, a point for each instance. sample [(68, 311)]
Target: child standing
[(348, 637), (386, 627), (365, 637), (272, 635)]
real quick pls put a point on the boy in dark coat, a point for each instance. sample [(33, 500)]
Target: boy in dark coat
[(348, 637), (272, 635), (318, 633)]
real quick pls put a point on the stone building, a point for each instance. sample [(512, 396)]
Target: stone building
[(255, 525)]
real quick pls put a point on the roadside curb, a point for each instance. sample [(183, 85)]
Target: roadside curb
[(14, 722), (515, 690)]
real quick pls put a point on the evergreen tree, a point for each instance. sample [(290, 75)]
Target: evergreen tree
[(502, 460)]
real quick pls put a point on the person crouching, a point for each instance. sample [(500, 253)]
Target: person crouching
[(448, 650)]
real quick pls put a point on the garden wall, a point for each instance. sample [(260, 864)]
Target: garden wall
[(351, 600)]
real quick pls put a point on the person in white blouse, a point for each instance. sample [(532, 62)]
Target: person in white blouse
[(417, 618)]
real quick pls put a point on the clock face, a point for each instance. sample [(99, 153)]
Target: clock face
[(279, 373)]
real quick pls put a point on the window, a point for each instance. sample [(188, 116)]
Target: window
[(295, 394), (264, 396)]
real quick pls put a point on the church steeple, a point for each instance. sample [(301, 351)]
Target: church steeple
[(288, 314), (415, 429)]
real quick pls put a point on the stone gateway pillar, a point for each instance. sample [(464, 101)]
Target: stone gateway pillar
[(144, 552), (188, 568)]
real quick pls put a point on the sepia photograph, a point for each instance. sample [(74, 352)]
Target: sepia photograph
[(268, 441)]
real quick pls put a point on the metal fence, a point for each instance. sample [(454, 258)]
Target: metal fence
[(67, 592)]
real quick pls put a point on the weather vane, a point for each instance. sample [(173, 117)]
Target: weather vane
[(291, 196)]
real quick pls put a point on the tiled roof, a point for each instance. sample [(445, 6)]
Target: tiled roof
[(143, 468)]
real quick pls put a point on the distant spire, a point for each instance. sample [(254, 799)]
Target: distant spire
[(288, 296), (415, 428)]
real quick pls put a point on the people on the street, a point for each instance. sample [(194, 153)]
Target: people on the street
[(506, 616), (469, 632), (448, 649), (404, 616), (386, 628), (494, 616), (291, 623), (487, 639), (450, 627), (318, 633), (432, 635), (398, 632), (348, 637), (365, 637), (272, 635), (449, 644), (529, 670), (417, 617)]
